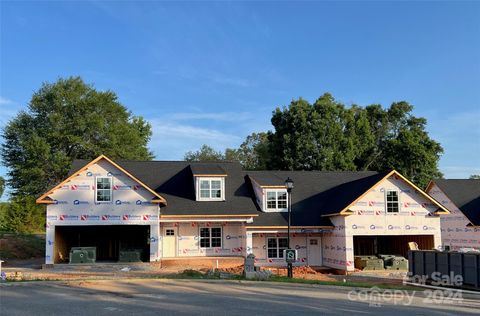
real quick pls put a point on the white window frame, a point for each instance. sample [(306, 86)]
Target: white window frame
[(399, 205), (209, 237), (111, 189), (278, 248), (276, 209), (199, 180)]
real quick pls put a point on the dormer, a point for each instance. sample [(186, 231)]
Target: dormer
[(270, 192), (209, 181)]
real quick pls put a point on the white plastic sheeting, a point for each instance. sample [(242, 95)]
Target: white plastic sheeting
[(75, 205), (454, 229)]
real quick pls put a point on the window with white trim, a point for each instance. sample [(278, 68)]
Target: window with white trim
[(276, 200), (210, 189), (210, 237), (392, 201), (103, 189), (275, 247)]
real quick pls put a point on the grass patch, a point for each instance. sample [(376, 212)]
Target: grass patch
[(340, 283), (193, 274)]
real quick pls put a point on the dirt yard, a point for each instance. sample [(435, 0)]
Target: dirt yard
[(21, 246)]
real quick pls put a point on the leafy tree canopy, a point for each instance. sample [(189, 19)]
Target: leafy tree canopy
[(23, 215), (68, 120), (205, 153), (252, 153), (2, 186), (475, 176), (327, 135)]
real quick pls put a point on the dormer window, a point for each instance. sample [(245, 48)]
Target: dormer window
[(210, 189), (276, 200)]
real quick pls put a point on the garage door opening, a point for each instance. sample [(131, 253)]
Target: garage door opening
[(109, 241), (389, 245)]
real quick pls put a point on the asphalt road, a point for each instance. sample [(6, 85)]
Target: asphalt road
[(189, 297)]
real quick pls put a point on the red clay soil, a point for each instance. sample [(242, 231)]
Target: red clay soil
[(305, 272), (202, 263)]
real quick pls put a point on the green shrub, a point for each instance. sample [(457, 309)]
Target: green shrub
[(23, 215), (192, 273)]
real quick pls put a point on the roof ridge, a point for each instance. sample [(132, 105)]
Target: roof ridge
[(456, 179), (184, 161), (323, 171)]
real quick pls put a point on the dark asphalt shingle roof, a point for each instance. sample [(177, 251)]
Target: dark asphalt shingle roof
[(267, 179), (207, 169), (173, 180), (465, 193), (315, 193)]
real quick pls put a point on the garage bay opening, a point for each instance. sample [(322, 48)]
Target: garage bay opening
[(387, 252), (112, 243)]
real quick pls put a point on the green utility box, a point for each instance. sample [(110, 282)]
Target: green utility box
[(368, 263), (396, 263), (83, 254), (386, 257), (132, 255)]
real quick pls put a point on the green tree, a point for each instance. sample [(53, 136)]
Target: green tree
[(205, 153), (68, 120), (413, 153), (321, 136), (327, 135), (2, 186), (252, 153), (23, 215), (475, 176)]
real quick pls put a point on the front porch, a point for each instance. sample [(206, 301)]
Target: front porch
[(268, 244)]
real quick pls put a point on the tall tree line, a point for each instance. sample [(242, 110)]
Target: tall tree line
[(328, 135)]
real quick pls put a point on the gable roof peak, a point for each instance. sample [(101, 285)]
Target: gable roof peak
[(45, 198)]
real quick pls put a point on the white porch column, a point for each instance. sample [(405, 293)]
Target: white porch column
[(155, 242), (249, 243), (49, 244)]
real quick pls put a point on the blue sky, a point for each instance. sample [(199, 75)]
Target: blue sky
[(212, 72)]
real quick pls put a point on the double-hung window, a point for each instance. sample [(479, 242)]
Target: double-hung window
[(392, 202), (276, 200), (210, 237), (210, 189), (275, 247), (103, 189)]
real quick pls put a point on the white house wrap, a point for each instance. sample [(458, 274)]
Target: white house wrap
[(197, 210), (458, 231)]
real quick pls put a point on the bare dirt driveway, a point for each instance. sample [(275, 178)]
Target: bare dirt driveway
[(191, 297)]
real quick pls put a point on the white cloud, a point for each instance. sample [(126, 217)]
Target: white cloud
[(171, 140), (230, 81), (213, 116), (5, 101), (8, 109)]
